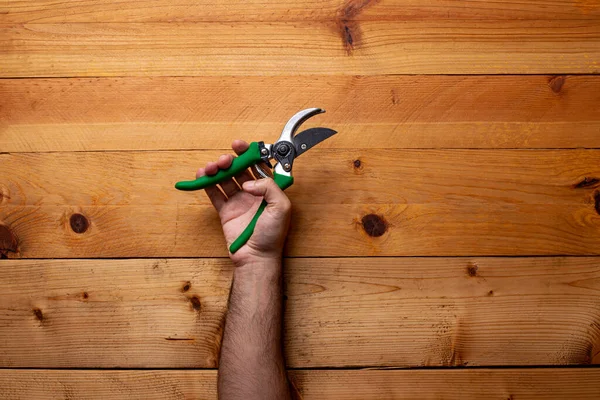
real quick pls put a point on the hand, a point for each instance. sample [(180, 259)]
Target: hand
[(237, 209)]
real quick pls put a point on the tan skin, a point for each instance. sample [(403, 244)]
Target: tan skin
[(251, 364)]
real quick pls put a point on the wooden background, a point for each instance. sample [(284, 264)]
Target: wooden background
[(444, 243)]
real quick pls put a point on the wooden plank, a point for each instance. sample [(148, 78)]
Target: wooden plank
[(501, 384), (357, 176), (317, 230), (394, 203), (113, 313), (45, 11), (304, 48), (442, 312), (102, 385), (369, 112), (404, 312), (454, 384)]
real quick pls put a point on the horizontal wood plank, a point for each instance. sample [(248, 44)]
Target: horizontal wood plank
[(499, 384), (404, 312), (371, 202), (496, 384), (119, 313), (38, 115), (317, 230), (303, 48), (357, 176), (102, 385), (38, 11)]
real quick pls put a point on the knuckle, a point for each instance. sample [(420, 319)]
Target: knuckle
[(286, 204)]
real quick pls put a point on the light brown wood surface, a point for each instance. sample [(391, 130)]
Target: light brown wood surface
[(379, 176), (317, 230), (40, 115), (453, 223), (303, 48), (401, 312), (40, 11), (431, 202), (493, 384)]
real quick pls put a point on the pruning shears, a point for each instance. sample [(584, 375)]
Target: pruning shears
[(289, 146)]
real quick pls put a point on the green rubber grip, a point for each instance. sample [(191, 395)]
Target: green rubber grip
[(283, 182), (239, 164)]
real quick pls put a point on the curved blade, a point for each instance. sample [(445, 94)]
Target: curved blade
[(311, 137)]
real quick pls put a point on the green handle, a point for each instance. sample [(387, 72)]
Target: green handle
[(283, 182), (239, 164)]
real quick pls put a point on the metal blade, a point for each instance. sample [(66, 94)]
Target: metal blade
[(311, 137)]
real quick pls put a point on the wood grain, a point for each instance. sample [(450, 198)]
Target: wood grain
[(317, 230), (403, 312), (442, 312), (102, 385), (114, 313), (422, 202), (39, 115), (499, 384), (358, 176), (305, 48), (38, 11)]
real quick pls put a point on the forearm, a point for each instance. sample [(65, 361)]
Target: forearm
[(251, 364)]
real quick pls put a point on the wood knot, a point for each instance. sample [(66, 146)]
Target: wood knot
[(38, 314), (79, 223), (348, 40), (85, 295), (195, 303), (472, 269), (186, 286), (8, 241), (374, 225), (490, 293), (357, 166), (350, 33), (556, 83), (348, 22), (586, 183)]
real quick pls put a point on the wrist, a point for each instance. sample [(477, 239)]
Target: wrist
[(257, 267)]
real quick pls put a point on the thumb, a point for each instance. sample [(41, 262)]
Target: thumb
[(270, 191)]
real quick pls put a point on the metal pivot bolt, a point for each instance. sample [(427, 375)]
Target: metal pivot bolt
[(287, 166), (264, 152), (283, 149), (303, 146)]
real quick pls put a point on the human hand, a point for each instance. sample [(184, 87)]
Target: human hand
[(237, 209)]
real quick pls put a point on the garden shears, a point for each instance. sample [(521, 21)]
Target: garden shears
[(289, 146)]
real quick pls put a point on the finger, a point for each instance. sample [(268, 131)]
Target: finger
[(278, 201), (211, 168), (225, 161), (229, 186), (240, 147), (217, 198)]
